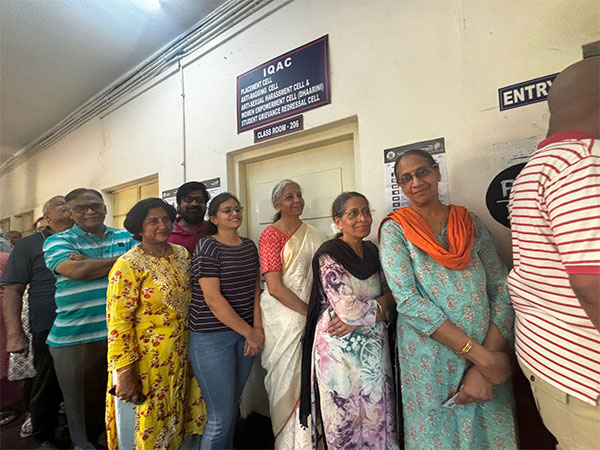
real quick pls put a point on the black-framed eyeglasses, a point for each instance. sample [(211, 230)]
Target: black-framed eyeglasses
[(355, 212), (231, 209), (80, 209), (420, 173), (192, 198)]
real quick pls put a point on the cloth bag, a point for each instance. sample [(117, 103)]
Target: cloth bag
[(20, 366)]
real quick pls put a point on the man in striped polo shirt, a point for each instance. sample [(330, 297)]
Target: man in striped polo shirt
[(555, 282), (80, 259)]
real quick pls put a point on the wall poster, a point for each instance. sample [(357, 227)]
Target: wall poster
[(394, 198), (213, 186), (169, 196)]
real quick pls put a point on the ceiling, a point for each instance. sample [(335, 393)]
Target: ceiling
[(57, 54)]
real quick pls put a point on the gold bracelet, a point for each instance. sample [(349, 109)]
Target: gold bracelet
[(126, 369), (379, 308), (466, 348)]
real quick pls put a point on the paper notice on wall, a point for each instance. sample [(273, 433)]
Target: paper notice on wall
[(394, 198), (169, 196), (213, 186), (510, 158)]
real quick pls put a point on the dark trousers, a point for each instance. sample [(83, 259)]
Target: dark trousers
[(81, 370), (45, 392)]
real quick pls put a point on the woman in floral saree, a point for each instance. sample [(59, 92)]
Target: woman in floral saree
[(286, 249), (157, 401), (347, 380)]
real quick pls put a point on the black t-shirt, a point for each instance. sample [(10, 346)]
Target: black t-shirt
[(26, 266), (236, 267)]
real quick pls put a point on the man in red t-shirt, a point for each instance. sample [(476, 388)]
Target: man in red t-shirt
[(190, 225), (555, 282)]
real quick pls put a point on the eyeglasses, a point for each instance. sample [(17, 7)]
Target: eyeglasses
[(232, 209), (80, 209), (354, 213), (191, 198), (420, 173)]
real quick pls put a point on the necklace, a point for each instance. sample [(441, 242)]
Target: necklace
[(154, 253), (285, 229)]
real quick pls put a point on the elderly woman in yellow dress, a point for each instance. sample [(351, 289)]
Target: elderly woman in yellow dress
[(157, 401)]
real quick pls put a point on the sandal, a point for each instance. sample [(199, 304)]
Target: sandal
[(7, 417), (26, 428)]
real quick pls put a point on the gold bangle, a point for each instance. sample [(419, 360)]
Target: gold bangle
[(379, 308), (125, 369), (466, 348)]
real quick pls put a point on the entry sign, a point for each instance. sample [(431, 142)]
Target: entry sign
[(292, 83), (279, 129), (526, 93), (498, 193)]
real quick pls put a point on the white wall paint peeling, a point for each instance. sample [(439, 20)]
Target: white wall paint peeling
[(408, 70)]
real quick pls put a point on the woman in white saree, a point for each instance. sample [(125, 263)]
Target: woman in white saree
[(286, 249)]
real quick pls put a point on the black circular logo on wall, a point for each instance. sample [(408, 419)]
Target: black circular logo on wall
[(498, 193)]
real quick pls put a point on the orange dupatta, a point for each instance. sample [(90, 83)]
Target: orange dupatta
[(461, 234)]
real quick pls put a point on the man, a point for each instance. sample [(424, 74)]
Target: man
[(26, 266), (40, 224), (555, 282), (5, 245), (14, 236), (192, 198), (81, 259)]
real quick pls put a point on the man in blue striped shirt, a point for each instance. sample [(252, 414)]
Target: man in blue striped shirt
[(80, 259)]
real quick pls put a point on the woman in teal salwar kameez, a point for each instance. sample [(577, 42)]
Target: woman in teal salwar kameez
[(455, 318)]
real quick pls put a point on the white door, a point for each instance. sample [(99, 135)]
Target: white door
[(323, 172)]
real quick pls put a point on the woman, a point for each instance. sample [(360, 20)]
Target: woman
[(157, 401), (352, 384), (224, 317), (286, 250), (454, 317)]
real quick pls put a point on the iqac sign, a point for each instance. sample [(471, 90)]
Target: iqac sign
[(525, 93)]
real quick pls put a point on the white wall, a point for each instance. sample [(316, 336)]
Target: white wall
[(408, 70)]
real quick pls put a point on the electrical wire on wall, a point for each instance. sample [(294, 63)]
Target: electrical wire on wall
[(165, 61)]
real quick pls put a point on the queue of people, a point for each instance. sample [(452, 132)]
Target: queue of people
[(156, 328)]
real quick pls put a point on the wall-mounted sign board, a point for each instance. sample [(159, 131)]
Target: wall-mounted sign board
[(284, 86), (277, 129), (498, 193), (507, 158), (525, 93)]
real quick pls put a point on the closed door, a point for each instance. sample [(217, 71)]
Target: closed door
[(124, 199), (323, 172)]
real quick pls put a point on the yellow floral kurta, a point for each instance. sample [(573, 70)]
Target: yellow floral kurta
[(147, 315)]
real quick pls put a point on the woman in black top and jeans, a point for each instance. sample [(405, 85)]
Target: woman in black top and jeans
[(225, 324)]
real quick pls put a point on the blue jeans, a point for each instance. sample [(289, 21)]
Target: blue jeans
[(221, 369)]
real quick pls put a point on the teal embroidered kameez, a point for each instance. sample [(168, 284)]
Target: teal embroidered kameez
[(427, 294)]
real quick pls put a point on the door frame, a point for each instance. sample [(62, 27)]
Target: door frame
[(341, 130)]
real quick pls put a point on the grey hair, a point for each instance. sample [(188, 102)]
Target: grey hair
[(46, 207), (277, 191), (338, 208)]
